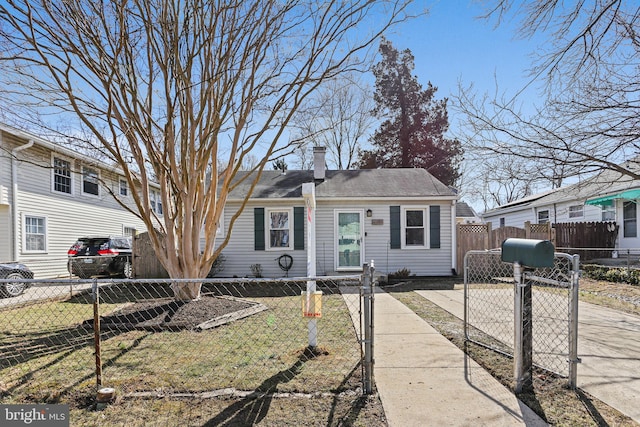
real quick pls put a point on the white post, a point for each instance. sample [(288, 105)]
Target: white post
[(309, 194)]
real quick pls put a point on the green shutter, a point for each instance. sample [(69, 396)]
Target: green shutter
[(434, 227), (258, 228), (394, 212), (298, 228)]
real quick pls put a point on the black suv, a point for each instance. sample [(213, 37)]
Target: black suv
[(100, 256)]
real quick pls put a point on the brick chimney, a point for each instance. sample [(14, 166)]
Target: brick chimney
[(318, 163)]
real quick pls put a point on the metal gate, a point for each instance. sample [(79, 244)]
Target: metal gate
[(490, 296)]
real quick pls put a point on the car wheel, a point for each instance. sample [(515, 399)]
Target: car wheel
[(127, 270), (14, 289)]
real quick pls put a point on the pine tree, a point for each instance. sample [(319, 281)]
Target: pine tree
[(412, 133)]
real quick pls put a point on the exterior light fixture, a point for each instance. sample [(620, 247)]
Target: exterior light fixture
[(369, 213)]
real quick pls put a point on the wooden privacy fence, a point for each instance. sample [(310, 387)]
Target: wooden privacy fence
[(145, 263), (482, 237), (586, 235)]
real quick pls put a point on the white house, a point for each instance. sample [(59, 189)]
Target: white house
[(608, 196), (399, 218), (49, 196)]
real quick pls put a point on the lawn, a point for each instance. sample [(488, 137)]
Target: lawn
[(256, 370)]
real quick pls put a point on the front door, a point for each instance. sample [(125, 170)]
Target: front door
[(349, 248)]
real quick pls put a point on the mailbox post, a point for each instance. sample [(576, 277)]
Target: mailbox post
[(525, 253)]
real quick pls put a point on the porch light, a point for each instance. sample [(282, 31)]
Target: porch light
[(369, 213)]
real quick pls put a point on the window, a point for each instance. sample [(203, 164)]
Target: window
[(35, 234), (502, 222), (62, 175), (279, 228), (543, 217), (90, 181), (156, 201), (129, 231), (414, 228), (608, 212), (630, 219), (576, 211), (124, 188)]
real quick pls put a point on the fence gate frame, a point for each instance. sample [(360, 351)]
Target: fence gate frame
[(521, 280)]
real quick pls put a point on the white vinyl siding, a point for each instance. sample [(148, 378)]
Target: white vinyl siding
[(240, 253), (66, 217)]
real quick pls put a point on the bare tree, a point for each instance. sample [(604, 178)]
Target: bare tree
[(587, 72), (187, 89), (339, 118)]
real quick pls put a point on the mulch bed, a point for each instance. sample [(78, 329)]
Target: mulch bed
[(169, 314)]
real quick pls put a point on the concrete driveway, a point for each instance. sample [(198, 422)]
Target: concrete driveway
[(608, 344)]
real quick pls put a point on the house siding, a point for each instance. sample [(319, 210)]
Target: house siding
[(512, 219), (67, 216), (240, 253)]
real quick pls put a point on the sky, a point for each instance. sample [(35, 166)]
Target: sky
[(451, 45)]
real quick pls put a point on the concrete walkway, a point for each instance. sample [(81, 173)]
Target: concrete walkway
[(608, 344), (425, 380)]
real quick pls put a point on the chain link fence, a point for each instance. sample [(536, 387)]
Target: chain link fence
[(490, 298), (172, 362)]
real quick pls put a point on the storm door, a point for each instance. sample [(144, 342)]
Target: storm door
[(349, 248)]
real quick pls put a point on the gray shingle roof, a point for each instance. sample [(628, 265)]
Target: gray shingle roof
[(383, 183)]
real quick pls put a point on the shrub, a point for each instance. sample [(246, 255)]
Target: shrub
[(612, 274), (400, 274), (256, 270), (218, 266)]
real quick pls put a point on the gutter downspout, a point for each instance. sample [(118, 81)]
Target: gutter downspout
[(14, 194), (454, 239)]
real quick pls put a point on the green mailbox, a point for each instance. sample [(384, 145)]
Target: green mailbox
[(528, 252)]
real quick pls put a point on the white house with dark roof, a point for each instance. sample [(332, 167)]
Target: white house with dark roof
[(398, 218), (607, 196)]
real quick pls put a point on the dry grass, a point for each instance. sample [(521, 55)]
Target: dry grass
[(551, 399), (255, 371)]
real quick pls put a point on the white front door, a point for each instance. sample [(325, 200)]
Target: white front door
[(349, 248)]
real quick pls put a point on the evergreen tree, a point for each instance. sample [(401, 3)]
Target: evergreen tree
[(412, 133)]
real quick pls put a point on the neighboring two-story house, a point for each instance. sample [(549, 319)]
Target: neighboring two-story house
[(51, 195)]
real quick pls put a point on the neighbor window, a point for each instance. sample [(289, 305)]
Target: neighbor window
[(543, 217), (128, 231), (156, 201), (502, 222), (61, 175), (124, 188), (630, 219), (414, 228), (35, 233), (609, 212), (90, 181), (576, 211), (279, 228)]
